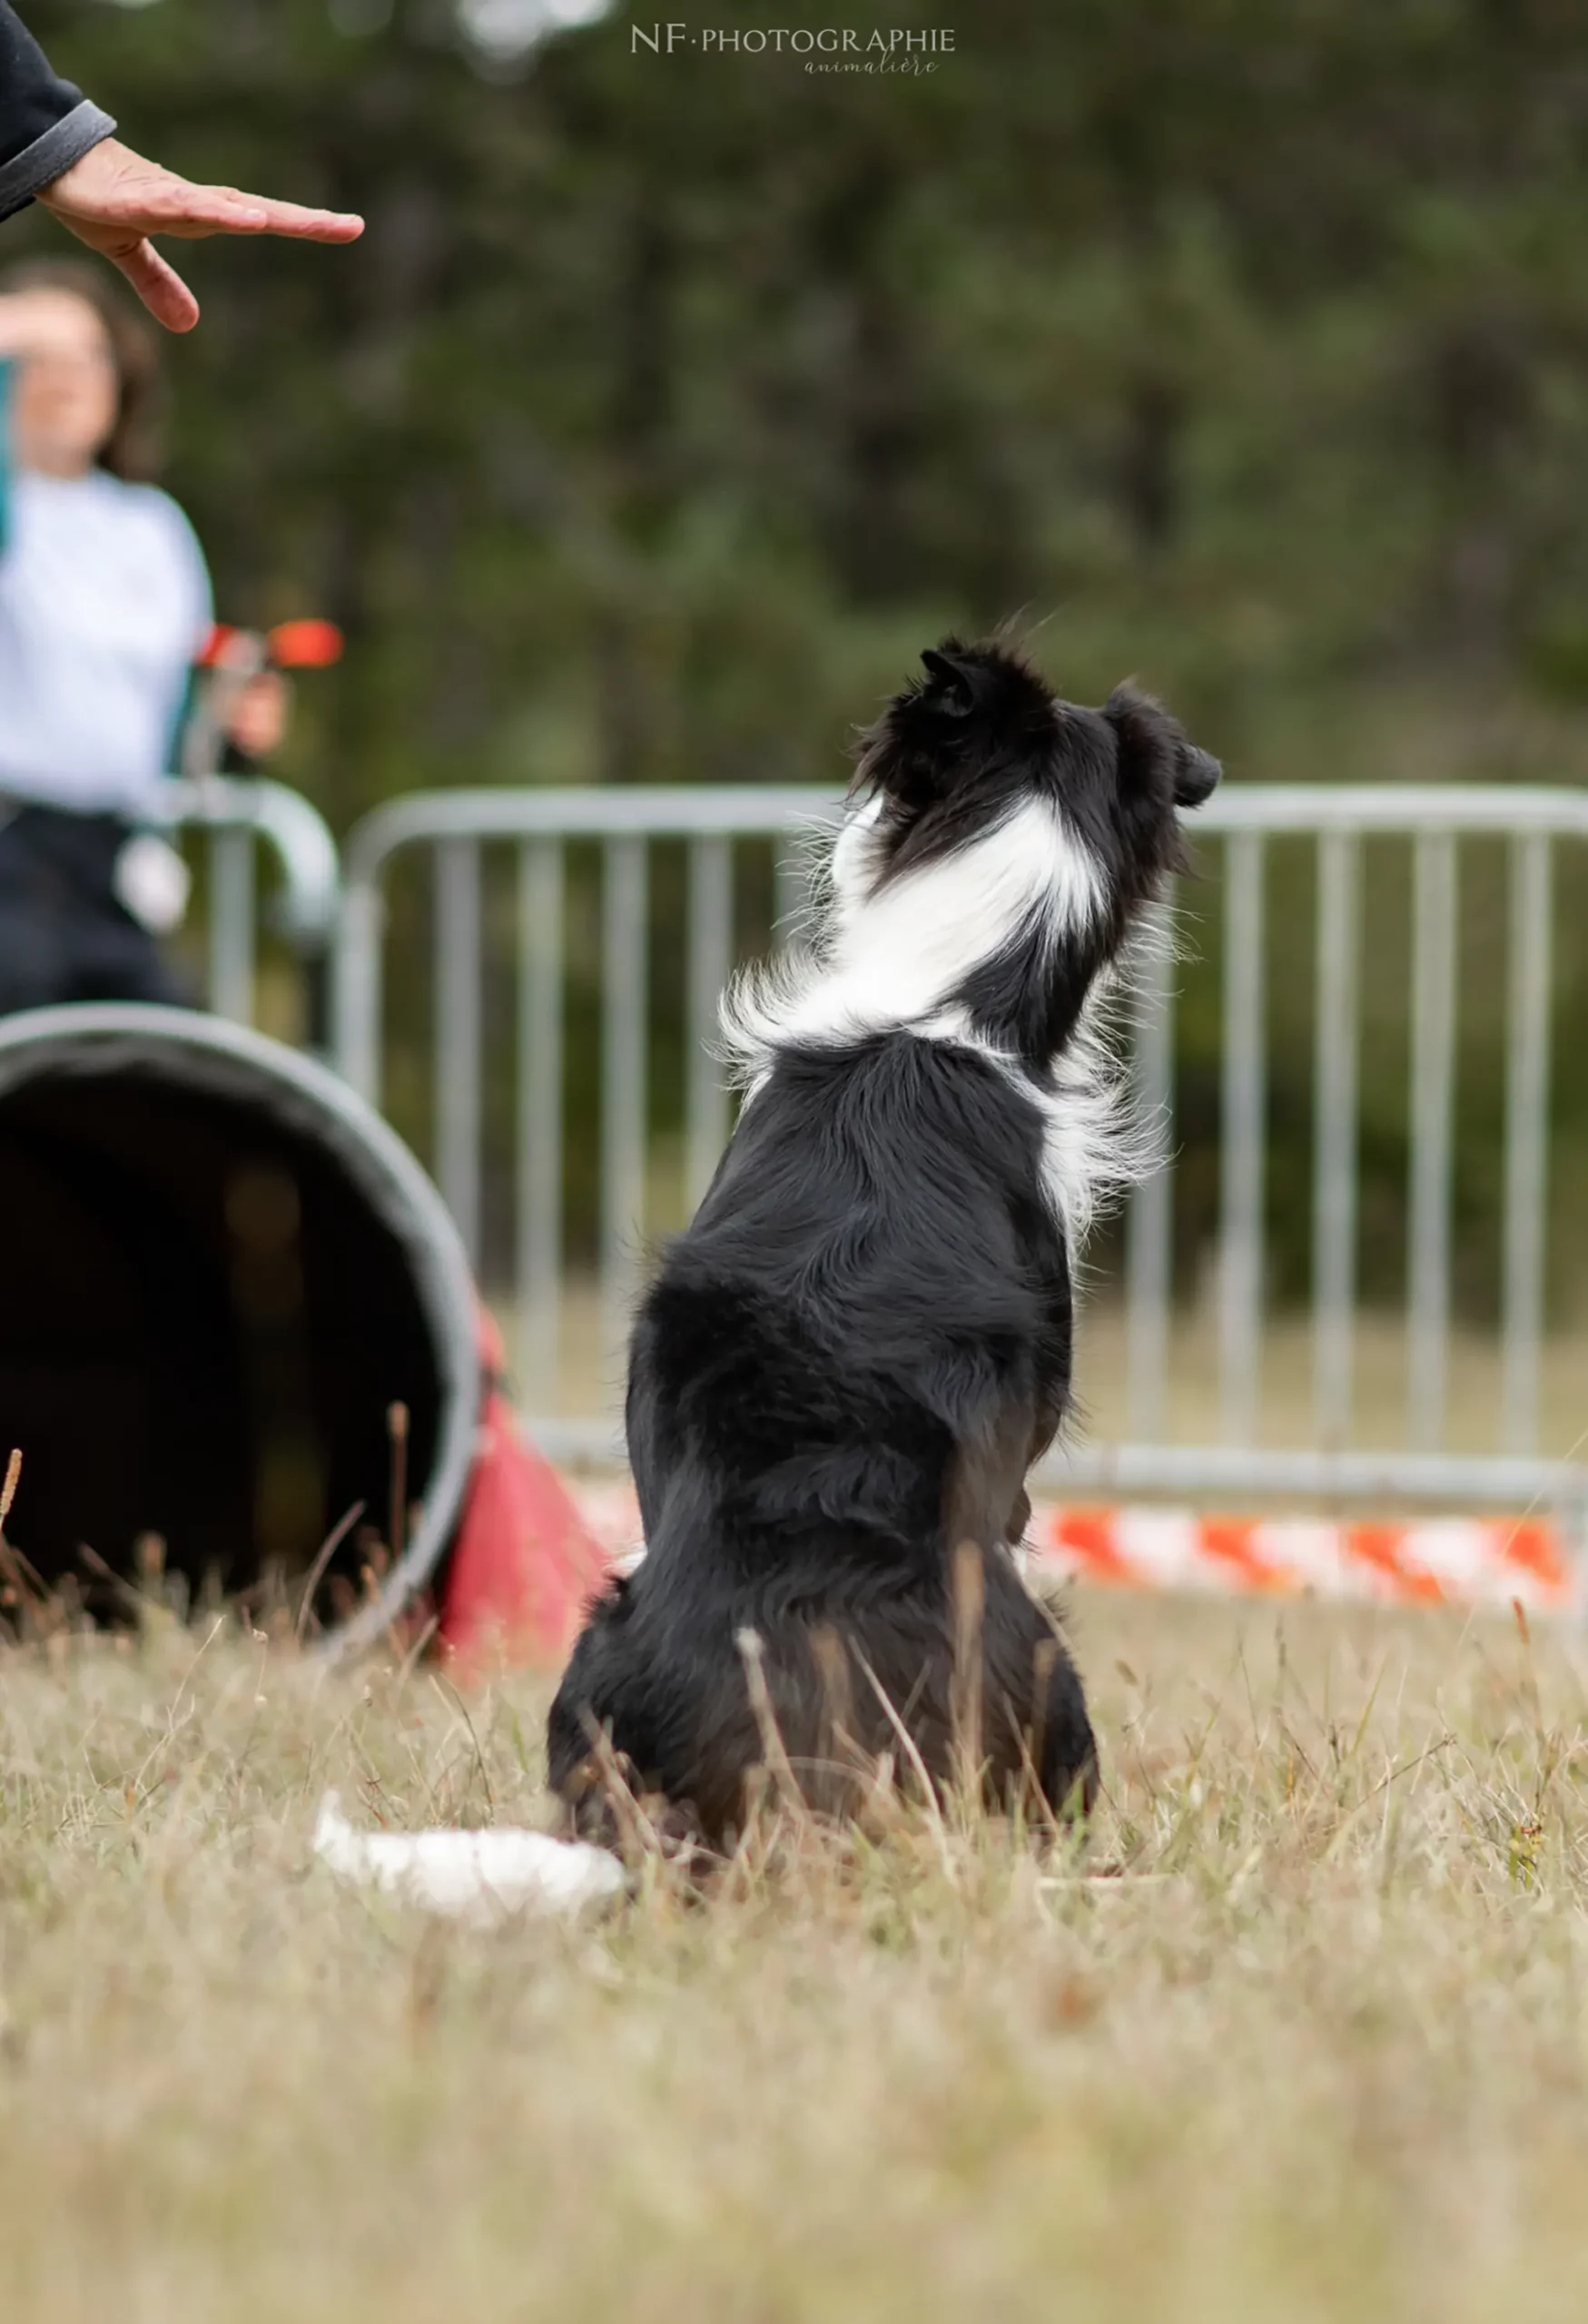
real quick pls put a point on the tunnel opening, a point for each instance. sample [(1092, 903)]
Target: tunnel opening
[(223, 1275)]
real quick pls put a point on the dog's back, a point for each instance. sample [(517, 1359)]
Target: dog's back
[(849, 1361), (839, 1378)]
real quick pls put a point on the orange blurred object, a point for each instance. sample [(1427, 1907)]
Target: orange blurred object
[(304, 645), (307, 645), (525, 1566)]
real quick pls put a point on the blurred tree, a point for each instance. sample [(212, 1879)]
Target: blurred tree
[(672, 402), (670, 398)]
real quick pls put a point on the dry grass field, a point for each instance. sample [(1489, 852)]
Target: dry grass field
[(1300, 2033)]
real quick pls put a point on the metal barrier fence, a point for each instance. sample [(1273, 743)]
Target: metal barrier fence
[(237, 817), (1245, 820)]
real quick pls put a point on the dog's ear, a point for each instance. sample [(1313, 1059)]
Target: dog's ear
[(927, 738), (952, 684), (937, 735), (1156, 752)]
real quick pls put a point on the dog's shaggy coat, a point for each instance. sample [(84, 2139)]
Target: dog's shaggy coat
[(851, 1358)]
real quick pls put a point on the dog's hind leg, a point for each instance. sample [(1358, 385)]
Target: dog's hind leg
[(1038, 1731), (1063, 1748), (596, 1716)]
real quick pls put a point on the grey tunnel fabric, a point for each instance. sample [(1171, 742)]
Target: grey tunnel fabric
[(221, 1270)]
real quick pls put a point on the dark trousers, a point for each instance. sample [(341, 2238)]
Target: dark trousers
[(64, 935)]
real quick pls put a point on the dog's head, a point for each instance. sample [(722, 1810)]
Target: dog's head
[(1000, 842), (981, 746)]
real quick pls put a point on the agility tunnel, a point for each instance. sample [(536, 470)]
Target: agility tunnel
[(239, 1338)]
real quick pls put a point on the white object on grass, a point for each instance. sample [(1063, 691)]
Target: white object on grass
[(469, 1875)]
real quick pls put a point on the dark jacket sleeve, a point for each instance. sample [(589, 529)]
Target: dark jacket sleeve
[(46, 125)]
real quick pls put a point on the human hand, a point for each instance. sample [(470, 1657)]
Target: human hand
[(255, 719), (114, 199)]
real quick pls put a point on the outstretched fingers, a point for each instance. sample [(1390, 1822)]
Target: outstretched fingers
[(193, 212), (158, 285)]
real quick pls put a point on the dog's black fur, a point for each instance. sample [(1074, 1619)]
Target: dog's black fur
[(851, 1358)]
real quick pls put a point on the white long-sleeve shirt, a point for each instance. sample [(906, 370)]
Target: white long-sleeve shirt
[(104, 603)]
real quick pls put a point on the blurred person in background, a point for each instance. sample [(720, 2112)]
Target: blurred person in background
[(104, 608)]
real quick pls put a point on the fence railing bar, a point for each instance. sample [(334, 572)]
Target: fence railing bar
[(458, 1036), (678, 811), (1119, 1471), (624, 1020), (357, 989), (1244, 1104), (233, 913), (711, 823), (540, 1117), (1149, 1225), (1334, 1228), (294, 831), (711, 945), (1431, 1156), (1527, 1076)]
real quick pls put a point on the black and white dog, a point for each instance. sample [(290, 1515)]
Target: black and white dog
[(853, 1356)]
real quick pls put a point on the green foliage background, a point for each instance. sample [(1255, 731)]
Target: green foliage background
[(672, 404)]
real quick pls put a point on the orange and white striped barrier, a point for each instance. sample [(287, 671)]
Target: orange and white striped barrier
[(1455, 1560), (1458, 1561)]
